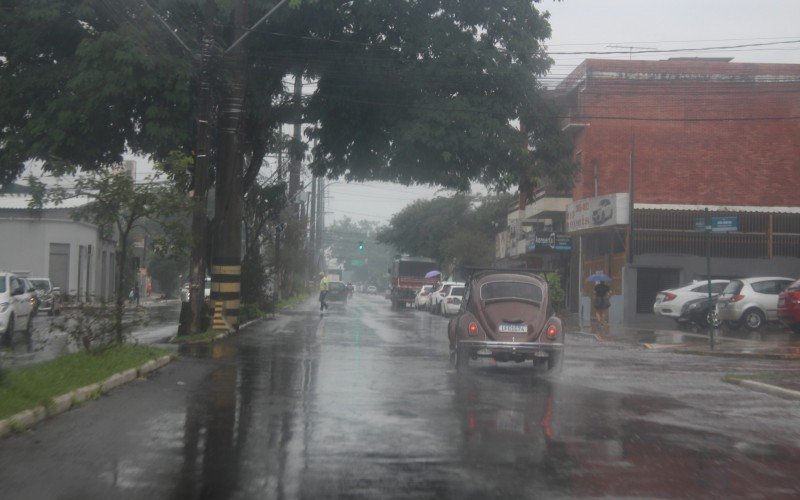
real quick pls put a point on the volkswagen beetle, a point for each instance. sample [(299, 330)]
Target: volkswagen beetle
[(506, 315)]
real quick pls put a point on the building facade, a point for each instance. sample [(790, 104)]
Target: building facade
[(49, 243), (659, 142)]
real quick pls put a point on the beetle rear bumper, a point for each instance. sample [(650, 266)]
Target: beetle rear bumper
[(495, 347)]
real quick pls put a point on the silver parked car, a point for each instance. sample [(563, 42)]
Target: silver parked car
[(751, 301), (49, 296)]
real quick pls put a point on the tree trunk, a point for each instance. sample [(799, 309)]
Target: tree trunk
[(197, 272)]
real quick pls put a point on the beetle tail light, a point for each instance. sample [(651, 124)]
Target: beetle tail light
[(551, 332), (473, 328)]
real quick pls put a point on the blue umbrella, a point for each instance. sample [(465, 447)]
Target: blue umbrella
[(598, 276), (431, 274)]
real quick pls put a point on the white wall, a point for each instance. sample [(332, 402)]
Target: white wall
[(25, 245)]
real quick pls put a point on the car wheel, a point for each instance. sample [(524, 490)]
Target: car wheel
[(753, 319), (462, 358), (713, 319)]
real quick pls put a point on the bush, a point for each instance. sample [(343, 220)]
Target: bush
[(92, 325), (557, 293)]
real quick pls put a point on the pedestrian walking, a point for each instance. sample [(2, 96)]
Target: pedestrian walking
[(602, 303), (323, 291)]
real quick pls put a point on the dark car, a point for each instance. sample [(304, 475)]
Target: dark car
[(337, 292), (506, 315), (789, 307), (696, 312)]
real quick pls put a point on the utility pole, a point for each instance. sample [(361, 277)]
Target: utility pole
[(200, 188), (312, 226), (226, 263)]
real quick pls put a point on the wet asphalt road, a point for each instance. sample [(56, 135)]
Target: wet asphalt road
[(363, 404)]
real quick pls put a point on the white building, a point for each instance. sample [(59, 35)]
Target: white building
[(49, 243)]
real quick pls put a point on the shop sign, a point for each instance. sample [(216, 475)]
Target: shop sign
[(601, 211), (718, 224), (560, 242)]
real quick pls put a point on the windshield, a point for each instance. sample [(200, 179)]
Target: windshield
[(511, 290), (733, 288), (413, 268), (43, 285)]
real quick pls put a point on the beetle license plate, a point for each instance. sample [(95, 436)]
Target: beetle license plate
[(513, 328)]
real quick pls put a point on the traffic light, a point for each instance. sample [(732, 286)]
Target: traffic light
[(360, 246)]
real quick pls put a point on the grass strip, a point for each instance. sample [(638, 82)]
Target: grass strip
[(291, 301), (38, 385), (758, 377)]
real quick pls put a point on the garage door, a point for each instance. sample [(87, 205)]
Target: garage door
[(650, 281), (59, 265)]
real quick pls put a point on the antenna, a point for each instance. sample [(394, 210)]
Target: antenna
[(630, 49)]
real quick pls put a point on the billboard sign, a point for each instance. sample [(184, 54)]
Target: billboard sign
[(559, 242), (600, 211)]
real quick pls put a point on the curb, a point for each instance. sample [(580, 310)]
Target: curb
[(766, 388), (742, 355), (214, 338), (59, 404)]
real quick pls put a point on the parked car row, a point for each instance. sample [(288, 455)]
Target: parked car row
[(443, 299), (20, 299), (748, 302)]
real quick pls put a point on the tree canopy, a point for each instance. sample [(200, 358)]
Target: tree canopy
[(456, 231), (427, 92)]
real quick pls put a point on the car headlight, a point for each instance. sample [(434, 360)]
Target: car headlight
[(3, 307)]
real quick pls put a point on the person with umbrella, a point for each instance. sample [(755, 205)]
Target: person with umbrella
[(601, 301)]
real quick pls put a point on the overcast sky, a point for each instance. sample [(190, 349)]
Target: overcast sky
[(593, 26)]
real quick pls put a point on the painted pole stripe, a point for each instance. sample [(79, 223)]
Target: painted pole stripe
[(226, 261), (226, 269), (226, 287), (225, 278), (225, 295)]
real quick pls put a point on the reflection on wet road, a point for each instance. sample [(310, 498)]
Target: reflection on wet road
[(363, 403)]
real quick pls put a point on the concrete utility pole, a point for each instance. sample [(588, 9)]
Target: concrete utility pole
[(226, 263), (312, 227)]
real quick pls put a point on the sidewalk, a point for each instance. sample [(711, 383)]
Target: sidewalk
[(661, 334)]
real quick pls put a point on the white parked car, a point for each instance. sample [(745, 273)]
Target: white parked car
[(670, 302), (372, 289), (186, 293), (435, 298), (751, 301), (422, 296), (15, 307), (451, 301)]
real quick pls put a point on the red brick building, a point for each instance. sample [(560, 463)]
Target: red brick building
[(695, 134)]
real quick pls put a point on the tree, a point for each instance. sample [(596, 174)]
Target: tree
[(414, 92), (456, 231), (116, 205)]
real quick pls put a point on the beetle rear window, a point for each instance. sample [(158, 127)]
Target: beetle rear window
[(511, 290)]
